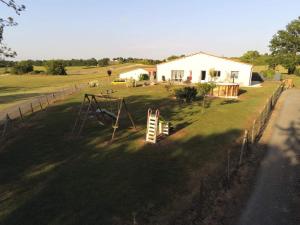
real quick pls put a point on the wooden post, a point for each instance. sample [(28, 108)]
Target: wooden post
[(253, 134), (41, 104), (5, 126), (21, 115), (228, 168), (244, 145), (47, 100), (31, 106)]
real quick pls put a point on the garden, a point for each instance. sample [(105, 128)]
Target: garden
[(48, 176)]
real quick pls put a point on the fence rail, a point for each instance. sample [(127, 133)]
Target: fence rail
[(19, 112)]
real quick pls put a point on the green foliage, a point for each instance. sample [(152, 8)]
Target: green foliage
[(297, 72), (205, 88), (55, 67), (268, 74), (8, 22), (137, 60), (213, 74), (285, 46), (188, 94), (22, 67), (103, 62), (130, 82), (250, 57), (36, 72), (143, 77)]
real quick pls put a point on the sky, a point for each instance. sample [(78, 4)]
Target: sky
[(65, 29)]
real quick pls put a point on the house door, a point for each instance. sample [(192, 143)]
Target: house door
[(203, 76)]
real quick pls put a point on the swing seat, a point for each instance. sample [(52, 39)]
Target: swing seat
[(110, 114)]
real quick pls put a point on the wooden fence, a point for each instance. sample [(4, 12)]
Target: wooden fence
[(17, 113)]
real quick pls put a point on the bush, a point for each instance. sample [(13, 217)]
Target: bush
[(187, 94), (268, 74), (205, 88), (143, 77), (22, 67), (55, 67), (36, 72), (297, 72)]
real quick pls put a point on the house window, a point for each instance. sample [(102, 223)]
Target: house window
[(203, 75), (177, 75), (218, 73)]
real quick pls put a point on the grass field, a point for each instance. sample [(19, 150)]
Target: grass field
[(14, 88), (48, 178)]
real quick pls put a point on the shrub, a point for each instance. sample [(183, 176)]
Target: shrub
[(297, 72), (268, 74), (36, 72), (55, 67), (205, 88), (144, 77), (22, 67), (187, 94)]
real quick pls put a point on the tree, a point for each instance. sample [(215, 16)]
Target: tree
[(204, 90), (103, 62), (4, 50), (213, 74), (55, 67), (250, 57), (22, 67), (285, 46)]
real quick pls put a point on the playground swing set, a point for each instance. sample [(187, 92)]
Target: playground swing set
[(103, 108)]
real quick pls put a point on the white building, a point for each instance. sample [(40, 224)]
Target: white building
[(135, 74), (197, 67)]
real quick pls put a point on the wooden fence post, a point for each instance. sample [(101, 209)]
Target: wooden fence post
[(41, 104), (5, 126), (47, 100), (253, 132), (21, 115), (244, 145), (228, 167), (31, 106)]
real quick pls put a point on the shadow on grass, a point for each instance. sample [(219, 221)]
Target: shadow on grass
[(48, 178), (229, 101)]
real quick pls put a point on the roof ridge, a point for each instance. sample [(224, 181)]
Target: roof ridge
[(204, 53)]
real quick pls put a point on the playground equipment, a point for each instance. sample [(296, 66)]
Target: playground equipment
[(103, 108), (94, 83), (156, 128)]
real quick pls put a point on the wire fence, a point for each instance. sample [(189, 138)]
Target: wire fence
[(260, 123), (10, 116), (239, 154)]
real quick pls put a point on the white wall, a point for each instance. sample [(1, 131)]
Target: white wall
[(203, 62), (134, 74)]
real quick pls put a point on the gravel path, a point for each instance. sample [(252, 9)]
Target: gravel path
[(276, 196)]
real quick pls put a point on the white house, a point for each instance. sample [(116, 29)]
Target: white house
[(135, 74), (197, 67)]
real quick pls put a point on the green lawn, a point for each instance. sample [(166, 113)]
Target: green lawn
[(49, 178), (14, 88)]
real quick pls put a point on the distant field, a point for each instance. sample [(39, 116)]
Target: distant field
[(14, 88), (281, 69)]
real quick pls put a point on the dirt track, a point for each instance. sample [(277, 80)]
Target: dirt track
[(276, 196)]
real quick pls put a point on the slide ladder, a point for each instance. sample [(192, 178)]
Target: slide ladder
[(152, 126)]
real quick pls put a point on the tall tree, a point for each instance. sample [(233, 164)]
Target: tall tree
[(285, 46), (250, 56), (4, 50)]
